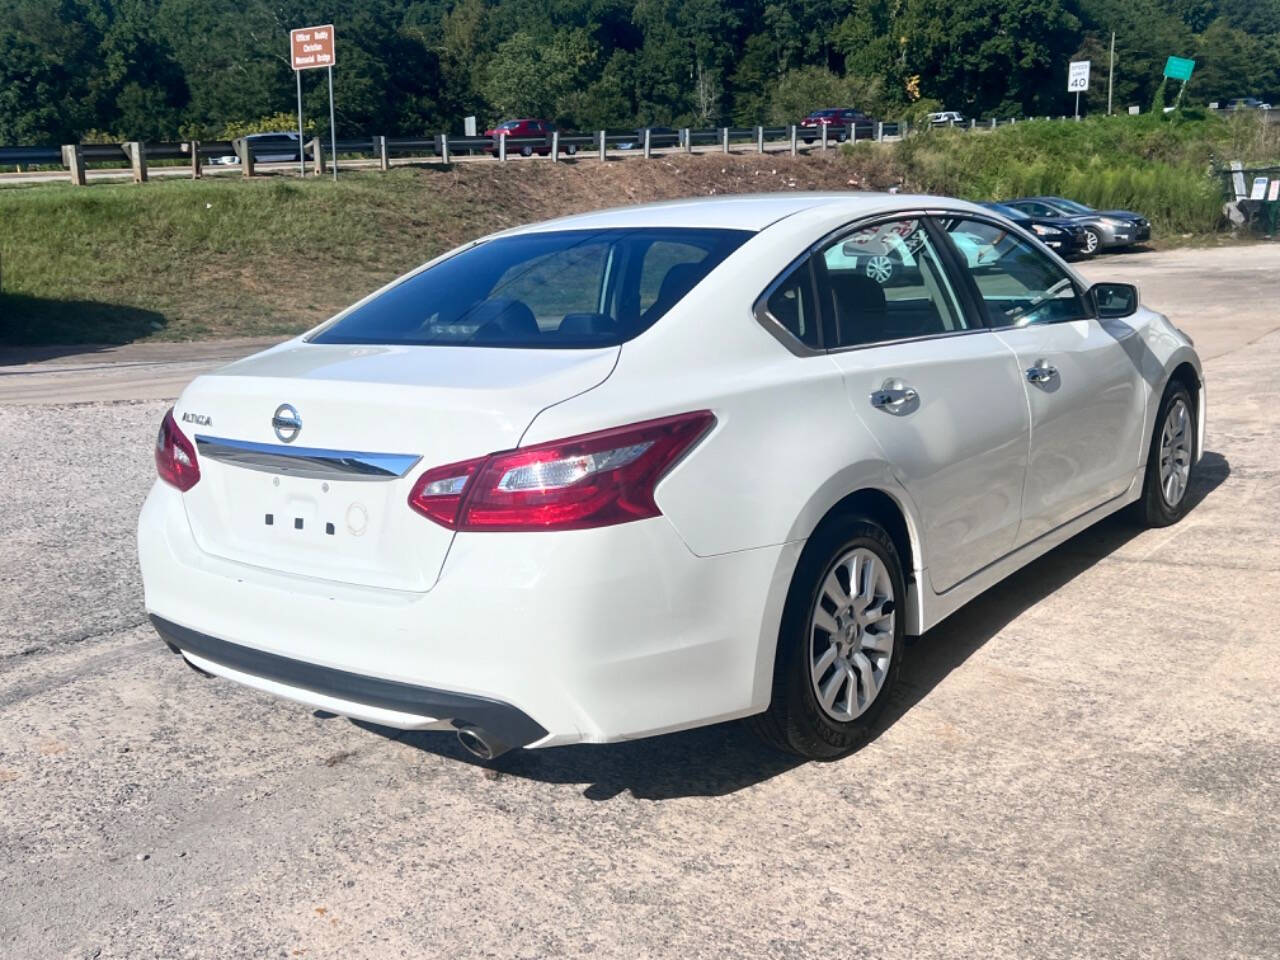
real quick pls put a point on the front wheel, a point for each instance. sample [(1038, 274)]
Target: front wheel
[(840, 642), (1170, 460), (1092, 241)]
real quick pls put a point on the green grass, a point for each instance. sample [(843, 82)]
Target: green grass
[(1149, 164), (183, 260), (222, 257)]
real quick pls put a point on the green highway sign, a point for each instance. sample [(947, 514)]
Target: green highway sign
[(1179, 68)]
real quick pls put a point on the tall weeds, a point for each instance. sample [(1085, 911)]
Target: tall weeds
[(1157, 166)]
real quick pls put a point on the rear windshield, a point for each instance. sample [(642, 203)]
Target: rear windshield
[(563, 289)]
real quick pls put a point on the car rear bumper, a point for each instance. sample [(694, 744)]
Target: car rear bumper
[(593, 635), (372, 693)]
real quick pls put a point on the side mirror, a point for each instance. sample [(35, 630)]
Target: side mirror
[(1114, 301)]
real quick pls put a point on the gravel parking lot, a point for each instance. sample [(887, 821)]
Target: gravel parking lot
[(1085, 762)]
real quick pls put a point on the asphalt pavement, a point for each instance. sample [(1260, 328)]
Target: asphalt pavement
[(1085, 762)]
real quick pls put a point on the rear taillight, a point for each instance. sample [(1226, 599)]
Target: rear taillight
[(592, 480), (175, 456)]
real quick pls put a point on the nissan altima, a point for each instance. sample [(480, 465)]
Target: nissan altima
[(650, 468)]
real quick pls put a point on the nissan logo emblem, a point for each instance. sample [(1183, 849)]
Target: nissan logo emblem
[(286, 422)]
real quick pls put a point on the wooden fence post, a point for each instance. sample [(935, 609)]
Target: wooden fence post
[(137, 154), (196, 170), (245, 153), (73, 160)]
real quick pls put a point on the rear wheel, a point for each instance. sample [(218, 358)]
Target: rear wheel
[(840, 643), (1169, 461)]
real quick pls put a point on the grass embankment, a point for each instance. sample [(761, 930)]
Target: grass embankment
[(223, 257), (1149, 164)]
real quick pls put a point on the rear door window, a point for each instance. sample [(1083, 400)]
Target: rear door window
[(886, 282)]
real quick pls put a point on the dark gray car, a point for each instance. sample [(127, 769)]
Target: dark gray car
[(1105, 229)]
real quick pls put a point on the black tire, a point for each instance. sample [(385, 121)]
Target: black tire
[(526, 151), (572, 149), (795, 722), (1153, 509), (1093, 241)]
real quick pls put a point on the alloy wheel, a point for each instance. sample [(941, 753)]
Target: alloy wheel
[(1175, 452), (1090, 242), (880, 269), (851, 630)]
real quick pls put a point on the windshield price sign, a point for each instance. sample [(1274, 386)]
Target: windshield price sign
[(1078, 76), (312, 47)]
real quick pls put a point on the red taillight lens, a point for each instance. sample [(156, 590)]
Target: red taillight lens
[(175, 456), (593, 480), (438, 493)]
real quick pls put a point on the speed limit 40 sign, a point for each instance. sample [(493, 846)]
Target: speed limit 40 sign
[(1078, 76)]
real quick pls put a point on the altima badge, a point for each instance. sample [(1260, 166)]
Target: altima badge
[(287, 423)]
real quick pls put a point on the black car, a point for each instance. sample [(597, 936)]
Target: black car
[(1065, 236), (1107, 228)]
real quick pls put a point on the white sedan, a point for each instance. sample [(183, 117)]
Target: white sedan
[(649, 468)]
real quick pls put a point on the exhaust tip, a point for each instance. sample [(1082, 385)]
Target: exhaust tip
[(480, 744)]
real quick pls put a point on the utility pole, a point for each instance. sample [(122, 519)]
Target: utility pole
[(1111, 71)]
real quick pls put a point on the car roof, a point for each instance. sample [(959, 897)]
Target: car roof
[(745, 211)]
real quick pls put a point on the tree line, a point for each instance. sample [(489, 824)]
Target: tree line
[(164, 69)]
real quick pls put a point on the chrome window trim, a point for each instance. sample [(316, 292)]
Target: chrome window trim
[(309, 462)]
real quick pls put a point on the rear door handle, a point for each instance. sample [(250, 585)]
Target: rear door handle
[(893, 396), (1042, 372)]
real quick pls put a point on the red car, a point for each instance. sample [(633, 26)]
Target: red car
[(526, 130), (838, 118)]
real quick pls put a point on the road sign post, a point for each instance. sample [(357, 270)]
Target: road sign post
[(312, 47), (1078, 80), (1179, 68)]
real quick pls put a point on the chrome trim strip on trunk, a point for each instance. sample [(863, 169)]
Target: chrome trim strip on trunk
[(311, 462)]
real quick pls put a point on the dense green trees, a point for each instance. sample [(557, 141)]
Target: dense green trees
[(158, 69)]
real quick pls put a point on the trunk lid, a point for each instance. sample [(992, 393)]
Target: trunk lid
[(332, 502)]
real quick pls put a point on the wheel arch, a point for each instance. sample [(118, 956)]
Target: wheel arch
[(1186, 374), (890, 511)]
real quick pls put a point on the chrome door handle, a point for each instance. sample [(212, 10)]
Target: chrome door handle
[(1041, 373), (893, 396)]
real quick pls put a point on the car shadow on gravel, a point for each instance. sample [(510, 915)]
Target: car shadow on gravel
[(721, 759)]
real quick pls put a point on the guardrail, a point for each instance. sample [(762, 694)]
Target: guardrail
[(136, 156)]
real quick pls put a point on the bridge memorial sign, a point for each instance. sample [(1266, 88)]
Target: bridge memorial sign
[(312, 47)]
